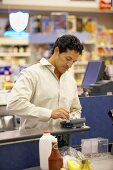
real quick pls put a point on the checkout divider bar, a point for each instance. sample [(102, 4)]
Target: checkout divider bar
[(21, 141)]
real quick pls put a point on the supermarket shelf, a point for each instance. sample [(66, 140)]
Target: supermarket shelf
[(90, 42), (14, 50), (47, 38), (105, 46), (13, 41), (81, 63), (7, 54), (79, 71), (35, 8)]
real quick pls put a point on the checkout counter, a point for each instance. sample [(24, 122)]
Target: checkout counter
[(19, 149)]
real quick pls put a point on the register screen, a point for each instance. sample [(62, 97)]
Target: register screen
[(94, 72)]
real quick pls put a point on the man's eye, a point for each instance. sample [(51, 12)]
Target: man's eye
[(68, 59)]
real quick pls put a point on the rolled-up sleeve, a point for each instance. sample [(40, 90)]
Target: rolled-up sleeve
[(19, 102), (76, 106)]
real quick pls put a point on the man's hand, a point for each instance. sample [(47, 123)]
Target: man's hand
[(60, 113)]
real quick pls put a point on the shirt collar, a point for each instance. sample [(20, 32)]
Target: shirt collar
[(45, 62)]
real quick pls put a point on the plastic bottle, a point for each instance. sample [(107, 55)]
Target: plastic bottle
[(55, 160), (45, 147)]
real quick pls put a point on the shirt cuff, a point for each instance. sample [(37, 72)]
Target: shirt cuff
[(74, 115), (45, 114)]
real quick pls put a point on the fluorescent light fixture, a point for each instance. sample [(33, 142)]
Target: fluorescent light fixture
[(18, 20)]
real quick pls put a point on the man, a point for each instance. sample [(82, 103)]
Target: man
[(45, 92)]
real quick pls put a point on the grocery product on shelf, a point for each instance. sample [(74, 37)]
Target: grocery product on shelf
[(6, 81), (14, 51), (71, 23)]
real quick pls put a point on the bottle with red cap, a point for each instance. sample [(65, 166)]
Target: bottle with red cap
[(45, 147), (55, 160)]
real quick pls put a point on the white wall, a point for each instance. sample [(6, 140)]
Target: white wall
[(61, 3)]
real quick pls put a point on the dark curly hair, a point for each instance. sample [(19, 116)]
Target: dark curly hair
[(68, 42)]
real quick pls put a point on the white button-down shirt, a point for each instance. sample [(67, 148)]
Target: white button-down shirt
[(38, 91)]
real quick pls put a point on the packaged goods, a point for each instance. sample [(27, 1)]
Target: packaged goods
[(85, 165), (45, 147), (72, 165), (55, 160)]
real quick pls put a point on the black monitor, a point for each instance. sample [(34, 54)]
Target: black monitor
[(94, 73)]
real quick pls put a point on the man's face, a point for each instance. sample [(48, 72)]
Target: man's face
[(63, 61)]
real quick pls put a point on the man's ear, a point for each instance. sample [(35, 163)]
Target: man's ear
[(56, 50)]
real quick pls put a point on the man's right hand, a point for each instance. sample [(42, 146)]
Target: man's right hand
[(60, 113)]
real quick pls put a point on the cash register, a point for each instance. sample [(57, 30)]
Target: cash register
[(95, 81)]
